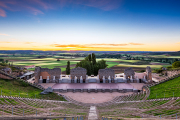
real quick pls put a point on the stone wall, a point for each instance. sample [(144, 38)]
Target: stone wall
[(37, 74), (129, 72), (148, 73), (78, 72), (171, 73), (4, 76), (51, 72), (106, 72)]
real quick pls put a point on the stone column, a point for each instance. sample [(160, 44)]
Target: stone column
[(144, 78), (98, 80), (40, 80), (81, 79), (104, 80), (54, 79), (137, 79), (124, 77), (47, 80), (109, 78), (131, 79), (60, 79), (87, 79), (75, 79)]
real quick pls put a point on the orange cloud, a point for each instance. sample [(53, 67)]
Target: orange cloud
[(93, 45), (136, 44), (178, 43), (4, 42), (4, 34), (29, 42)]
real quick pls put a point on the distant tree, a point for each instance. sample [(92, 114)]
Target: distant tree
[(92, 67), (68, 68), (176, 64), (3, 61), (102, 64), (6, 61), (89, 57), (93, 59)]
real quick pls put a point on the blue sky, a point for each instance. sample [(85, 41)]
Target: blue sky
[(146, 25)]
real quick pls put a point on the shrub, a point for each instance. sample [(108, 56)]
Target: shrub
[(157, 71), (176, 64), (24, 84)]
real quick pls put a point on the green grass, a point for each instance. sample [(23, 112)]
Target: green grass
[(111, 64), (166, 88), (157, 112), (16, 89)]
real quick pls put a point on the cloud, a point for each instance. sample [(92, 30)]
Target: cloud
[(178, 43), (102, 4), (2, 13), (37, 7), (43, 4), (105, 5), (29, 42), (4, 42), (18, 5), (103, 45), (136, 44), (4, 34), (35, 11), (17, 42)]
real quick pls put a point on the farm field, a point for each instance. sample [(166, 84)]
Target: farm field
[(142, 66), (166, 89), (50, 62)]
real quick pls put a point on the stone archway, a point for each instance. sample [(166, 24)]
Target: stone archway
[(129, 72)]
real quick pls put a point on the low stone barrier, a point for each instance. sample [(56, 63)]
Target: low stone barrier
[(96, 90)]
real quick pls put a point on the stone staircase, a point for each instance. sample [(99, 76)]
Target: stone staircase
[(92, 113)]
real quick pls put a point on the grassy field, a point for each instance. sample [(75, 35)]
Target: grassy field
[(142, 66), (17, 88), (111, 64), (166, 89), (118, 60)]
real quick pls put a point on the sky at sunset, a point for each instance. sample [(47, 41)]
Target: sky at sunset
[(102, 25)]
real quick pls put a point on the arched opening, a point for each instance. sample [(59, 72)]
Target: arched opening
[(84, 81), (44, 80)]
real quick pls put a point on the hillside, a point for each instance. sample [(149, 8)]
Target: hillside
[(18, 88), (166, 89)]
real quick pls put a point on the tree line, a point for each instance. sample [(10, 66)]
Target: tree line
[(90, 64)]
